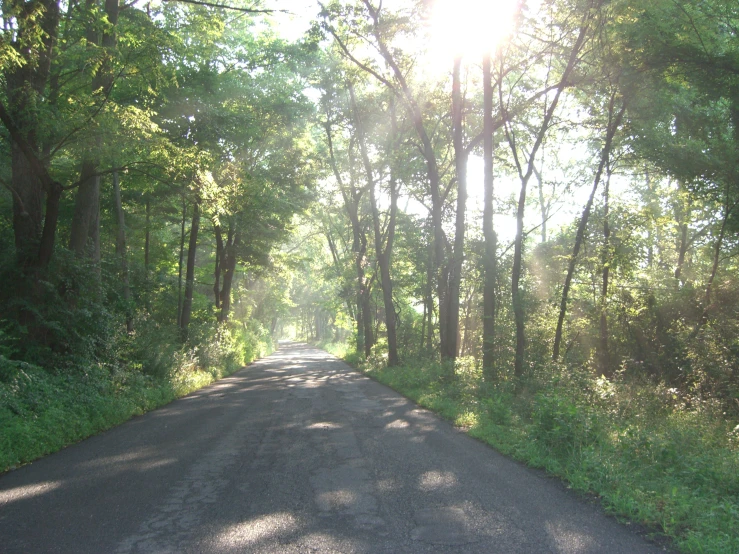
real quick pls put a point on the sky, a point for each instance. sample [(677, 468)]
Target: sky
[(293, 25)]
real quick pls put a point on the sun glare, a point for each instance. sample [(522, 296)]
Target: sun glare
[(469, 28)]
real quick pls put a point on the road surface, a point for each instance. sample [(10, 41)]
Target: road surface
[(295, 453)]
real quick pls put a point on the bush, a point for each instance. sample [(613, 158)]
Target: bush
[(41, 411)]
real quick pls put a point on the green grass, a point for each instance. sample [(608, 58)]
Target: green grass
[(43, 411), (341, 350), (650, 457)]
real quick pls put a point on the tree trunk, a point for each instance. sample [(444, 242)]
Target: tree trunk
[(120, 250), (147, 236), (218, 266), (543, 204), (365, 296), (181, 262), (423, 327), (30, 251), (86, 207), (94, 230), (48, 236), (651, 201), (429, 299), (614, 122), (406, 96), (524, 177), (516, 295), (464, 343), (714, 270), (450, 349), (682, 249), (25, 89), (352, 199), (383, 253), (491, 246), (682, 216), (604, 359), (228, 263), (190, 274), (28, 199), (346, 290), (85, 233), (387, 290)]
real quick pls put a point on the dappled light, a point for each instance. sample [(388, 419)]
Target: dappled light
[(397, 424), (312, 475), (324, 425), (232, 231), (8, 496), (254, 531), (435, 480), (569, 540)]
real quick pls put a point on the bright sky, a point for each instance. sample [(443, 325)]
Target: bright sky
[(293, 25), (468, 28)]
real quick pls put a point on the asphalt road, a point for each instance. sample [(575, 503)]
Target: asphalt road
[(296, 453)]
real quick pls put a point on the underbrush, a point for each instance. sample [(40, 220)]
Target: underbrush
[(45, 409), (340, 350), (653, 457)]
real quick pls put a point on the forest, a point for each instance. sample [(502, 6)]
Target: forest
[(520, 214)]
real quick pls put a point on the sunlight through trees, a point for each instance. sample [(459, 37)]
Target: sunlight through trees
[(545, 191)]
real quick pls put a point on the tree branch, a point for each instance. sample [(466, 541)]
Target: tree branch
[(226, 7)]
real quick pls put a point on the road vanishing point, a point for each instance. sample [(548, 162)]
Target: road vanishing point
[(295, 453)]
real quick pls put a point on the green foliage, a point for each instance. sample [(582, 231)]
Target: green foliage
[(41, 412), (184, 105), (64, 318)]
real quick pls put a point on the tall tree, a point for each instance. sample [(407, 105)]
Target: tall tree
[(490, 238), (33, 29), (120, 250), (382, 251), (525, 168), (190, 273), (398, 85), (615, 116), (451, 347), (85, 231)]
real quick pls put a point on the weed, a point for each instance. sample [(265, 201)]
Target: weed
[(43, 411)]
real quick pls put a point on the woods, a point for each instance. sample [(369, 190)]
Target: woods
[(530, 210), (559, 110), (154, 159)]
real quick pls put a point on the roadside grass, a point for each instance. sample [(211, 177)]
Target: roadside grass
[(652, 457), (341, 350), (43, 411)]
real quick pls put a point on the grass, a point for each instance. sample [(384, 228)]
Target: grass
[(650, 456), (42, 411)]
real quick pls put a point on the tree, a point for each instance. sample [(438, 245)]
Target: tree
[(525, 167), (400, 87), (615, 114), (491, 243), (383, 246), (33, 29)]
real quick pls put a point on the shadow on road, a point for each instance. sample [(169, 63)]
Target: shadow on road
[(295, 453)]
